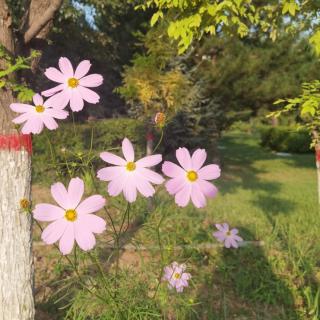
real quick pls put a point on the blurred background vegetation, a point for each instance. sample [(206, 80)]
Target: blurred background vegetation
[(220, 81)]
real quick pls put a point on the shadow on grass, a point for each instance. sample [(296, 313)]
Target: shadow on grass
[(238, 160), (248, 274), (302, 161), (242, 285), (272, 206)]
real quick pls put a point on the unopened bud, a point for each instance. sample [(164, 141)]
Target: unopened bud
[(24, 204), (160, 119)]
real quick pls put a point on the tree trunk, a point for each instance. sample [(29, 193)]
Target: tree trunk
[(150, 143), (274, 121), (16, 266), (16, 263)]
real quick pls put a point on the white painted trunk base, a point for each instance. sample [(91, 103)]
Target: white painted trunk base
[(16, 264)]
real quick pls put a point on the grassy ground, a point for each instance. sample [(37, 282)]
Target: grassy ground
[(269, 198)]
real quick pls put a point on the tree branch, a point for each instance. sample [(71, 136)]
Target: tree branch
[(41, 22), (6, 36)]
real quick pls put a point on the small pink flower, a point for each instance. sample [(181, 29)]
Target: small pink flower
[(128, 175), (73, 86), (229, 237), (72, 219), (176, 277), (190, 181), (37, 116)]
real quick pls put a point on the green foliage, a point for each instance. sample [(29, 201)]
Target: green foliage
[(286, 139), (198, 17), (189, 20), (133, 301), (251, 74), (195, 125), (12, 66), (156, 82), (17, 10), (306, 105), (150, 89), (68, 148), (315, 41), (162, 81)]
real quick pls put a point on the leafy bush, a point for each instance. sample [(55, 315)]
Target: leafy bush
[(97, 136), (285, 139)]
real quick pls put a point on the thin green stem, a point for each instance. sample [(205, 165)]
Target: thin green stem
[(75, 257), (53, 158), (53, 155), (74, 125), (91, 141), (161, 255), (104, 208), (68, 168), (159, 142), (124, 217), (118, 245), (75, 270), (95, 260)]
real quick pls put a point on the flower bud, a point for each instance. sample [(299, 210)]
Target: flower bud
[(160, 119), (24, 204)]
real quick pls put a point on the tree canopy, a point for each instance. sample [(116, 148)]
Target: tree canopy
[(189, 20)]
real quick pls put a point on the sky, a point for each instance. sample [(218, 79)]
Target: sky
[(89, 12)]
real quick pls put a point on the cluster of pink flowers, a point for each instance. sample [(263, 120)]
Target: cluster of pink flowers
[(72, 219), (73, 88), (188, 182)]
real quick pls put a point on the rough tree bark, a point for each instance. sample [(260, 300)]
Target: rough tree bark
[(16, 264)]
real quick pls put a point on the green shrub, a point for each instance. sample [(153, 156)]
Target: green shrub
[(69, 143), (285, 139)]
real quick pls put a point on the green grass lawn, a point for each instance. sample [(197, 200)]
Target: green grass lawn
[(270, 199), (274, 200)]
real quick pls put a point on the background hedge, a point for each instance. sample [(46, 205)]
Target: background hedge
[(285, 139), (70, 143)]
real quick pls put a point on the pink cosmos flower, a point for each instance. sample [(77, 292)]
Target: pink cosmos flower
[(72, 219), (73, 86), (229, 237), (128, 175), (36, 116), (190, 180), (176, 277)]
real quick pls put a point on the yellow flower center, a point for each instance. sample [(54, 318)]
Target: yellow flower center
[(71, 215), (73, 82), (228, 233), (177, 275), (131, 166), (39, 108), (192, 176)]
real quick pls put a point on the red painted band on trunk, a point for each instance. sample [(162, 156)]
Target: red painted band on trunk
[(317, 155), (16, 142)]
